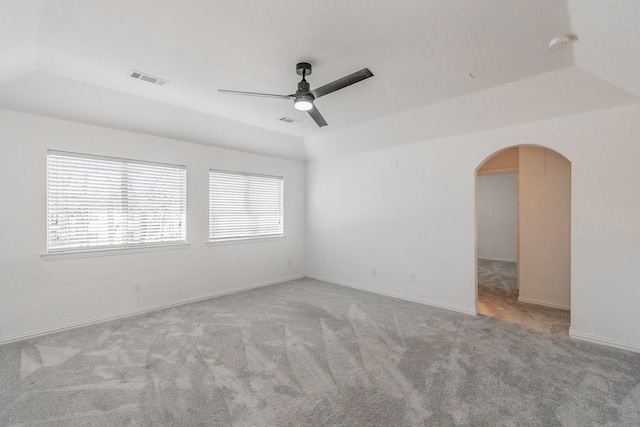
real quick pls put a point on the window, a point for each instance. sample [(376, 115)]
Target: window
[(243, 206), (101, 202)]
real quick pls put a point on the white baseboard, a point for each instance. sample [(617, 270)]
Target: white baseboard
[(603, 341), (545, 303), (431, 303), (149, 309), (496, 259), (97, 320)]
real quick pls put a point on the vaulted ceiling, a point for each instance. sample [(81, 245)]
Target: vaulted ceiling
[(72, 59)]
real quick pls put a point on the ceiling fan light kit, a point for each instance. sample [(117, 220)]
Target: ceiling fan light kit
[(303, 103), (304, 97)]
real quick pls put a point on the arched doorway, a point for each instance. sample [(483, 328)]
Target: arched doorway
[(523, 215)]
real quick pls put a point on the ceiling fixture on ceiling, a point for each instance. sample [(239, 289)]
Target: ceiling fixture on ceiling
[(147, 78), (559, 42), (304, 97)]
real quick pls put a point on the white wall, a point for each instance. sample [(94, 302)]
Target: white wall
[(401, 211), (497, 216), (544, 263), (410, 209), (37, 295)]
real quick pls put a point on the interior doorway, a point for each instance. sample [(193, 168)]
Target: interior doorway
[(523, 214)]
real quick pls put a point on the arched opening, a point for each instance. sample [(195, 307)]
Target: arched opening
[(523, 225)]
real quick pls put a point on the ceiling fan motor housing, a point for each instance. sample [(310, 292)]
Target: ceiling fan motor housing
[(303, 88)]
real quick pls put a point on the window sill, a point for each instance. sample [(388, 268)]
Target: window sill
[(244, 240), (90, 253)]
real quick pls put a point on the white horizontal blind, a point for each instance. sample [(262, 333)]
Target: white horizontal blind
[(243, 205), (100, 202)]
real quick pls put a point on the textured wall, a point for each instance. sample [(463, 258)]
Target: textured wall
[(38, 294), (544, 267), (497, 216), (410, 209)]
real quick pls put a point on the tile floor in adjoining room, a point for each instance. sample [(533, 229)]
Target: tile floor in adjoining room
[(498, 298)]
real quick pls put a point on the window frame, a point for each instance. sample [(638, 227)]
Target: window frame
[(252, 237), (126, 210)]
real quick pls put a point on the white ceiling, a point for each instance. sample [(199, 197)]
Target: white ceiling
[(609, 40), (71, 59)]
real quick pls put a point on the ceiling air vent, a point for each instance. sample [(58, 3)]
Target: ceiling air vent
[(148, 78), (286, 120)]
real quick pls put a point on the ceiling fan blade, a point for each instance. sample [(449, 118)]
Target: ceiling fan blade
[(317, 117), (342, 83), (262, 95)]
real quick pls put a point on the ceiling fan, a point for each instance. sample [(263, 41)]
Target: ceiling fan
[(304, 96)]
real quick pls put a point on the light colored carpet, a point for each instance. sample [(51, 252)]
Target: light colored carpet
[(308, 353), (498, 297)]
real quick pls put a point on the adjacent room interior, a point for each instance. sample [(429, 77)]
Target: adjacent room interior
[(523, 222), (424, 214)]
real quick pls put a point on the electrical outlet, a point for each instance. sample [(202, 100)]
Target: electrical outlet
[(412, 277), (137, 288), (373, 272)]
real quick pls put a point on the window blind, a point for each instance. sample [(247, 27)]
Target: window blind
[(100, 202), (243, 205)]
